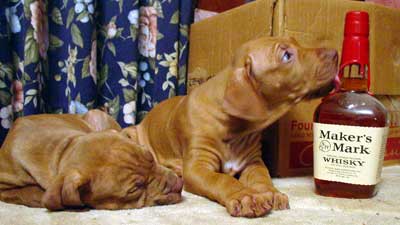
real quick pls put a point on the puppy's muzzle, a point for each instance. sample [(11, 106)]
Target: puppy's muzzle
[(328, 54), (327, 73)]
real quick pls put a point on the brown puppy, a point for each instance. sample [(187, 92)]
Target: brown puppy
[(60, 161), (212, 135)]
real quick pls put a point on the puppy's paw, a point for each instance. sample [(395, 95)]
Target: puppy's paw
[(281, 201), (249, 203)]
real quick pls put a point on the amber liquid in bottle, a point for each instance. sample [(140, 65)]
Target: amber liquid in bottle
[(352, 105)]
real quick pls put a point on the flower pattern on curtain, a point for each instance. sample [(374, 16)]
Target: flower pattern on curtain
[(69, 56)]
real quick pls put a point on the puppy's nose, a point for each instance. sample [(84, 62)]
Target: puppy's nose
[(327, 54), (147, 154), (177, 188)]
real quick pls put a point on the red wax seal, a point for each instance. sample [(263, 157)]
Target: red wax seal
[(355, 48)]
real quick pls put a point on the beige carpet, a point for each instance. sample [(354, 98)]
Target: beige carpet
[(306, 208)]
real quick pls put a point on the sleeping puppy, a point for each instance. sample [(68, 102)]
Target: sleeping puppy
[(69, 161), (212, 136)]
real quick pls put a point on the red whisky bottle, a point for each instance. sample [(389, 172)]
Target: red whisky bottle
[(350, 126)]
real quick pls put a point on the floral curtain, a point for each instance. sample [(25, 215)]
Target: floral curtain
[(69, 56)]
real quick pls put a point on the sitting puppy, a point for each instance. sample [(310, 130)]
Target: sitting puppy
[(212, 136), (69, 161)]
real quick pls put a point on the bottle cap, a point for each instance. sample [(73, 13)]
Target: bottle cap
[(355, 49), (357, 23)]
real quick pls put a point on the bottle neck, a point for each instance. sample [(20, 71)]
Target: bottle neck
[(354, 68), (354, 78), (354, 84)]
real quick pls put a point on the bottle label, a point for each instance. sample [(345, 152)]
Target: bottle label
[(349, 154)]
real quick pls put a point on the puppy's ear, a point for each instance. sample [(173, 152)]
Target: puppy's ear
[(64, 192), (242, 98), (100, 120)]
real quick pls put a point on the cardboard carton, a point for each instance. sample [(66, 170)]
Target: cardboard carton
[(317, 23), (214, 40), (392, 104), (288, 144)]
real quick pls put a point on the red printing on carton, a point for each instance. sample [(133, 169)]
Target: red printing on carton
[(301, 154), (392, 149)]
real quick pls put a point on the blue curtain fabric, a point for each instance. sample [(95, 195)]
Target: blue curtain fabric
[(69, 56)]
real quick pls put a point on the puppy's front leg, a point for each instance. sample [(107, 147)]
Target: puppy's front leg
[(202, 176), (30, 196), (256, 176)]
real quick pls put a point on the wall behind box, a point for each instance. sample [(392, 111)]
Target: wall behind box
[(288, 146)]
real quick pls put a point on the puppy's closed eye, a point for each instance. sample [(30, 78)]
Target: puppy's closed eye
[(133, 189), (141, 183), (137, 184), (135, 192)]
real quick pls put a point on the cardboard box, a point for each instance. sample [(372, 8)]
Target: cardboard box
[(288, 144), (392, 104), (293, 145), (311, 22), (214, 40), (317, 23)]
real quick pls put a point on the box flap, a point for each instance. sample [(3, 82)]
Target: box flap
[(251, 21), (385, 47)]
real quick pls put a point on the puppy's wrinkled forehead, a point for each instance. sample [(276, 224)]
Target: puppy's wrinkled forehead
[(266, 47)]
